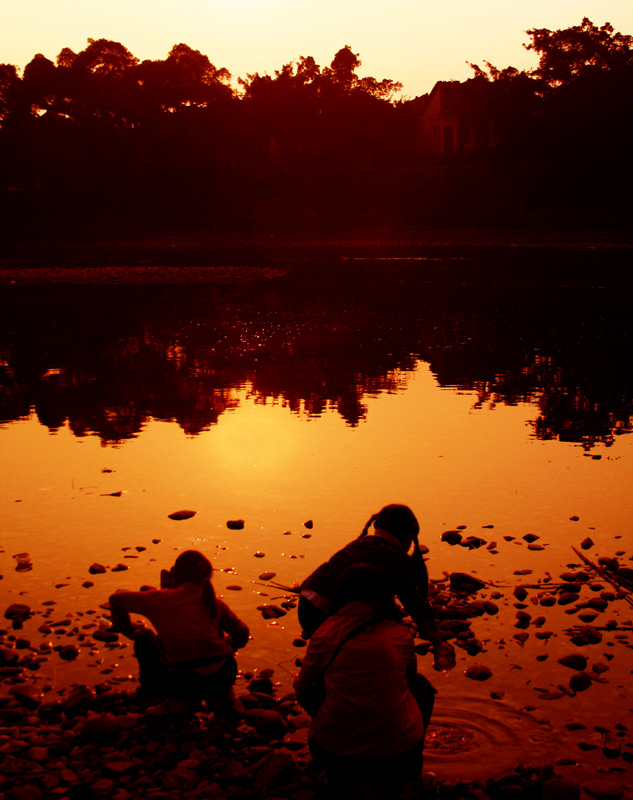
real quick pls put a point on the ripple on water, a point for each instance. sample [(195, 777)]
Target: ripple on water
[(473, 738)]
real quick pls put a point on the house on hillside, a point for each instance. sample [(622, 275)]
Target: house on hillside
[(454, 121)]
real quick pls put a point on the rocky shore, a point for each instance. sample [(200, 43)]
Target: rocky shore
[(95, 741)]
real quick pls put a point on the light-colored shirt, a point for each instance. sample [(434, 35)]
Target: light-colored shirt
[(183, 622), (368, 708)]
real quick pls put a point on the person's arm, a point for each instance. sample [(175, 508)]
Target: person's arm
[(122, 603), (417, 606), (232, 625)]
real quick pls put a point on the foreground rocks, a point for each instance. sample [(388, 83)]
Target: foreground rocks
[(106, 743)]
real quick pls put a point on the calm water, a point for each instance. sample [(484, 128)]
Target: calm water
[(323, 396)]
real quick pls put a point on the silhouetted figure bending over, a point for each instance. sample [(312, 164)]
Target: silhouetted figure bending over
[(386, 549), (192, 655), (367, 731)]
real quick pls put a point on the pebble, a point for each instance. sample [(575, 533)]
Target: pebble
[(235, 524), (184, 514), (478, 672), (603, 790), (580, 682), (574, 661)]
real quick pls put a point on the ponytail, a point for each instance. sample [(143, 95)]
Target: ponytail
[(369, 523)]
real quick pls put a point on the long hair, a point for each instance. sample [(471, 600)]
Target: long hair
[(193, 567), (401, 522)]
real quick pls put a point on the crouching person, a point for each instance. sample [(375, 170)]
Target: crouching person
[(191, 655), (367, 730)]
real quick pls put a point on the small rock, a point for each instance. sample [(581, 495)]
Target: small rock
[(19, 611), (580, 682), (603, 790), (558, 788), (478, 672), (308, 524), (235, 524), (611, 747), (267, 576), (587, 543), (184, 514), (574, 661), (271, 611), (566, 598), (69, 653), (267, 722), (275, 769)]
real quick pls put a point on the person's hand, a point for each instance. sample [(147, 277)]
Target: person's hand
[(443, 656), (131, 631), (165, 579)]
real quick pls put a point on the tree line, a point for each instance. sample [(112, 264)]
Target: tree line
[(100, 131)]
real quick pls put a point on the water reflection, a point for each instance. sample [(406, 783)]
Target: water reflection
[(106, 359)]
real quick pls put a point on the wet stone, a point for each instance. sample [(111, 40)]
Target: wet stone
[(580, 682), (478, 672), (558, 788), (96, 569), (566, 598), (603, 790), (183, 514), (574, 661), (235, 524)]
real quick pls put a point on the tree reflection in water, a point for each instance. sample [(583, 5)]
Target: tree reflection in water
[(106, 359)]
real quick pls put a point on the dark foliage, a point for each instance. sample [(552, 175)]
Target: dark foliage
[(99, 134)]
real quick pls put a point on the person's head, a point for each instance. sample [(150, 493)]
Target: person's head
[(366, 584), (191, 567), (399, 521)]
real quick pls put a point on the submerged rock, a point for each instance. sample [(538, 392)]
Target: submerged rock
[(478, 672), (603, 790)]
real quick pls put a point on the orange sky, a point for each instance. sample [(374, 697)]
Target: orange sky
[(416, 42)]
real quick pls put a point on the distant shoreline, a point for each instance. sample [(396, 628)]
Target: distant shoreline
[(210, 257)]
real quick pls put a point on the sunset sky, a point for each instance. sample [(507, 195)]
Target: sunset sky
[(416, 42)]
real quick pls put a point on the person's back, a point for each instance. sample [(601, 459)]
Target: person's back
[(386, 550), (367, 727), (368, 708)]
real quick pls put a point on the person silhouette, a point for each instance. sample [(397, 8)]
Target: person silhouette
[(367, 729), (395, 531), (191, 655)]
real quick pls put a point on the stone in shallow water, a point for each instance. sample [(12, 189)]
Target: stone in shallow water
[(580, 682), (69, 653), (267, 576), (573, 661), (184, 514), (558, 788), (603, 790), (271, 611), (478, 672), (17, 611), (235, 524)]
